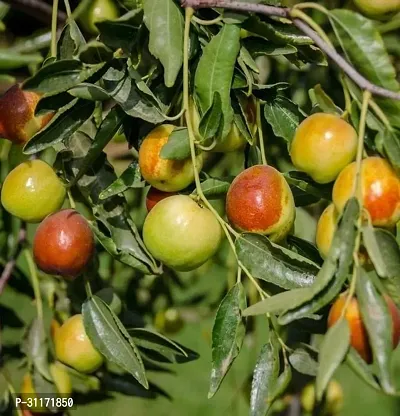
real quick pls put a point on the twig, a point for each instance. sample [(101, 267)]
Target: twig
[(37, 9), (9, 267), (351, 72)]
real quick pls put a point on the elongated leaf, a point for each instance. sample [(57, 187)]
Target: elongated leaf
[(215, 72), (265, 376), (391, 145), (12, 60), (281, 384), (62, 126), (302, 362), (377, 320), (104, 330), (228, 334), (214, 188), (164, 20), (71, 39), (178, 145), (333, 349), (323, 102), (211, 120), (274, 264), (89, 92), (361, 369)]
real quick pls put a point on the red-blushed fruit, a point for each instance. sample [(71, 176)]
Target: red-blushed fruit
[(154, 196), (164, 174), (380, 190), (324, 144), (17, 115), (378, 8), (326, 230), (74, 348), (359, 337), (259, 200), (63, 244)]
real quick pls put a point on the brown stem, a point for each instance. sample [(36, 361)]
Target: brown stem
[(349, 70), (9, 267)]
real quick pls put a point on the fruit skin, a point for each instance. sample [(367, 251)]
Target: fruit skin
[(154, 196), (326, 230), (180, 233), (28, 392), (61, 379), (74, 348), (324, 144), (377, 8), (333, 400), (169, 321), (164, 174), (359, 337), (18, 122), (32, 191), (63, 244), (99, 11), (380, 190), (259, 200)]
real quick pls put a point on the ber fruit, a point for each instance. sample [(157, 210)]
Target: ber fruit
[(164, 174), (181, 234), (333, 399), (260, 200), (326, 230), (154, 196), (74, 348), (63, 244), (98, 11), (18, 122), (169, 321), (32, 191), (359, 337), (380, 190), (378, 8), (324, 144)]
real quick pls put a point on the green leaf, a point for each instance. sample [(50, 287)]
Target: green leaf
[(164, 20), (105, 331), (60, 76), (107, 130), (211, 120), (265, 376), (383, 251), (227, 336), (323, 102), (333, 349), (391, 145), (282, 383), (177, 146), (130, 178), (274, 264), (90, 92), (284, 117), (95, 52), (10, 59), (214, 188), (378, 322), (302, 362), (361, 369), (215, 72), (62, 126), (259, 46), (71, 39)]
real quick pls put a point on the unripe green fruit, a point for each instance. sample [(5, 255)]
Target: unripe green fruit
[(61, 379), (180, 233), (99, 11), (32, 191), (378, 8), (74, 348), (168, 321), (333, 400)]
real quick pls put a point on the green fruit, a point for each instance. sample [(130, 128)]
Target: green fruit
[(32, 191), (99, 11), (180, 233), (169, 321), (378, 8), (61, 379)]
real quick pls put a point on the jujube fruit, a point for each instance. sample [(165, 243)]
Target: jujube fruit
[(333, 399), (358, 333), (32, 191), (378, 8), (326, 228), (154, 196), (180, 233), (324, 144), (169, 321), (61, 379), (18, 122), (380, 190), (74, 348), (259, 200), (63, 244), (98, 11), (164, 174), (28, 392)]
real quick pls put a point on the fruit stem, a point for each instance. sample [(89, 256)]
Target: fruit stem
[(352, 287), (53, 48), (71, 199), (239, 275), (260, 134), (380, 114), (68, 9), (389, 26), (35, 282), (88, 288), (207, 22)]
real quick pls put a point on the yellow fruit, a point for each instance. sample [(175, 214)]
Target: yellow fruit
[(326, 230)]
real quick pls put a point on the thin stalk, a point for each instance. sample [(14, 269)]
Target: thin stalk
[(260, 134), (54, 29), (207, 22), (68, 8), (35, 283)]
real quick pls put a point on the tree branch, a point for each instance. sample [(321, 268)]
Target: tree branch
[(348, 69)]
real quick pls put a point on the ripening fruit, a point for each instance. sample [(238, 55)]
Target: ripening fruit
[(74, 348), (180, 233), (380, 190), (28, 392), (377, 8), (333, 400), (61, 379), (324, 144), (154, 196), (359, 337), (164, 174), (259, 200), (63, 244), (98, 11), (326, 230), (32, 191), (18, 122), (169, 321)]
